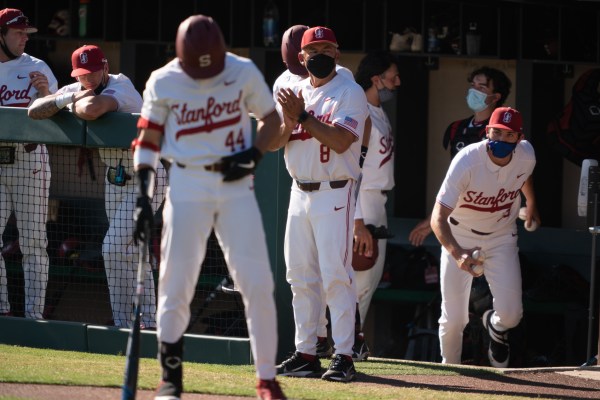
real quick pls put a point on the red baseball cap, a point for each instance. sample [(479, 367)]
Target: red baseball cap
[(13, 18), (318, 34), (87, 59), (506, 118)]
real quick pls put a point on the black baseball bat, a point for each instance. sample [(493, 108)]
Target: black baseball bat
[(132, 362)]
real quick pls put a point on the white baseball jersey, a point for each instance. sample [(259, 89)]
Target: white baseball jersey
[(201, 127), (378, 168), (29, 177), (483, 195), (16, 89), (340, 102)]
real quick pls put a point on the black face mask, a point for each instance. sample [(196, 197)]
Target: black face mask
[(320, 65)]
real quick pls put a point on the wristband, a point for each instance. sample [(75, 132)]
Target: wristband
[(303, 116), (62, 100), (145, 156)]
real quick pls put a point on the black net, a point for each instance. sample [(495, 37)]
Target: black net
[(91, 258)]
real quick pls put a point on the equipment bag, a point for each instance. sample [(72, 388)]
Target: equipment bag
[(575, 131)]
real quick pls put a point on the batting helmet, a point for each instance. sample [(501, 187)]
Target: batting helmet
[(290, 47), (362, 262), (200, 47)]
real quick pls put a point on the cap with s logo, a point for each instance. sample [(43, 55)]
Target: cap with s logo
[(87, 59), (506, 118), (318, 34)]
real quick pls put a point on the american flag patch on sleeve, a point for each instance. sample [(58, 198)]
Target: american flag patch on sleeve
[(351, 122)]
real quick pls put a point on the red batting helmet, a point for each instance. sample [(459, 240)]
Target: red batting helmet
[(290, 47), (200, 47), (362, 262)]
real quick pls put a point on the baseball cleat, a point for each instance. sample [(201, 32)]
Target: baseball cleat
[(297, 365), (360, 350), (269, 390), (324, 349), (499, 350), (167, 391), (341, 369)]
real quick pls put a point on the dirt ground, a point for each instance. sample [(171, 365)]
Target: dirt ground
[(553, 384)]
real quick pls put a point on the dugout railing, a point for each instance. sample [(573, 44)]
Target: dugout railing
[(78, 313)]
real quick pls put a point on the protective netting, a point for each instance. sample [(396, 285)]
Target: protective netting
[(92, 260)]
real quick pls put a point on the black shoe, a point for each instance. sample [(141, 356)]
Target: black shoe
[(167, 391), (499, 350), (360, 350), (297, 365), (341, 369), (324, 349)]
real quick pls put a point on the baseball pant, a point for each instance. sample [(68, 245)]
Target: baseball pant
[(121, 256), (24, 189), (318, 254), (503, 274), (196, 202), (373, 212)]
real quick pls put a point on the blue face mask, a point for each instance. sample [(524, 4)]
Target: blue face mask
[(501, 149), (476, 100)]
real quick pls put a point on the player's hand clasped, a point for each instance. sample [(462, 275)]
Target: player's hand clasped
[(239, 165)]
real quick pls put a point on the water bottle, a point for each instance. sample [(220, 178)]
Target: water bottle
[(83, 12), (270, 25)]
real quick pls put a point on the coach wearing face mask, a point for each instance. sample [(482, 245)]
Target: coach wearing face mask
[(323, 126), (489, 89)]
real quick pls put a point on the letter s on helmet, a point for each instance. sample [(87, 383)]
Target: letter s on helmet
[(200, 47)]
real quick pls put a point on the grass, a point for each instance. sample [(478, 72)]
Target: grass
[(41, 366)]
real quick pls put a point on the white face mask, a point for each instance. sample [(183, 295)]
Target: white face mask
[(476, 100)]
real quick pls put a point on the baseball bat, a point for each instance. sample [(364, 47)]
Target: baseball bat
[(133, 342)]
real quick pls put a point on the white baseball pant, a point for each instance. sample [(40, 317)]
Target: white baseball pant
[(318, 254), (121, 256), (24, 188), (503, 273), (196, 202)]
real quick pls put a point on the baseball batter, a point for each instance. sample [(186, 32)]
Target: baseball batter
[(324, 117), (196, 115), (95, 93), (24, 168), (476, 208)]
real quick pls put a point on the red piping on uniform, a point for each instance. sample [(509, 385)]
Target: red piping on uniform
[(208, 127), (144, 123)]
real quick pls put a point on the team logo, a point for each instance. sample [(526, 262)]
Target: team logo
[(83, 58), (319, 33), (507, 117), (204, 61)]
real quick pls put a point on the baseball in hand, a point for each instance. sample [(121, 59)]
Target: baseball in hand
[(478, 255), (531, 227)]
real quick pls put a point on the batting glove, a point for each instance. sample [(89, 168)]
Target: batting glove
[(239, 165)]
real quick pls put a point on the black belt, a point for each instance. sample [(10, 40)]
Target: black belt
[(455, 222), (312, 186), (216, 167)]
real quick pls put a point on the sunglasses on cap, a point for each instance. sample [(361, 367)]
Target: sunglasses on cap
[(21, 20)]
